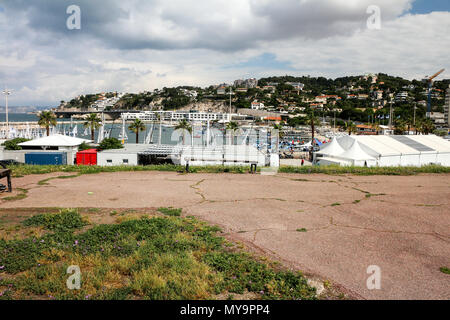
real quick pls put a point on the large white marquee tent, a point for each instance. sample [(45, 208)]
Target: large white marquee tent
[(385, 151)]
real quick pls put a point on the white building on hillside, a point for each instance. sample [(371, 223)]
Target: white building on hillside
[(177, 116), (257, 105)]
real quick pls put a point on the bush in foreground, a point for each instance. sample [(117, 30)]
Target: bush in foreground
[(159, 258)]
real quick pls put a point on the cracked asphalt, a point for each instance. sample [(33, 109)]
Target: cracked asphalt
[(401, 224)]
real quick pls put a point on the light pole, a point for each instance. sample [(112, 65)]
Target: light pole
[(231, 92), (7, 92)]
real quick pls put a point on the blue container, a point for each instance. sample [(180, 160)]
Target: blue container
[(46, 158)]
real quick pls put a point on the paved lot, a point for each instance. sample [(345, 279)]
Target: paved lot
[(401, 224)]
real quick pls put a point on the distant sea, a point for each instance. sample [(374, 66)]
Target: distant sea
[(18, 117), (115, 129)]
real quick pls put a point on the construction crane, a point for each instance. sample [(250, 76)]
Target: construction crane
[(430, 88)]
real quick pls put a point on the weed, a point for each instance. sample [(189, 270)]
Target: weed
[(148, 258), (66, 220), (336, 204), (445, 270), (22, 195), (170, 212), (23, 170), (302, 230)]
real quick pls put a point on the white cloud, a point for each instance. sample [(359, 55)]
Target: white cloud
[(140, 45)]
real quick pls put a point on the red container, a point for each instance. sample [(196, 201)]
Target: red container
[(87, 157)]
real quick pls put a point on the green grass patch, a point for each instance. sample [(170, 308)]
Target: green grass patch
[(45, 181), (389, 171), (172, 212), (66, 220), (23, 170), (23, 193), (302, 230), (159, 258), (445, 270), (336, 204)]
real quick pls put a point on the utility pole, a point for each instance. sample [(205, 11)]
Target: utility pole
[(231, 92), (390, 117), (334, 121), (160, 129), (7, 92)]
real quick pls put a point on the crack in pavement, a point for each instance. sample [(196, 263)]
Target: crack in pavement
[(332, 223), (199, 191)]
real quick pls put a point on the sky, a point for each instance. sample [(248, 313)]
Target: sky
[(137, 45)]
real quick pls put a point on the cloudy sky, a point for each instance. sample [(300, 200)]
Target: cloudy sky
[(138, 45)]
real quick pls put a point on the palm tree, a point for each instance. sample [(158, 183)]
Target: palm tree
[(93, 122), (279, 127), (312, 121), (351, 127), (428, 126), (47, 119), (400, 127), (137, 126), (232, 127), (185, 126), (377, 127)]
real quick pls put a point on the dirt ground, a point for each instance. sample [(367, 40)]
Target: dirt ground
[(401, 224)]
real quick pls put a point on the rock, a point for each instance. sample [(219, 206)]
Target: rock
[(320, 288)]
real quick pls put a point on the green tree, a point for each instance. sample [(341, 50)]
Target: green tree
[(232, 127), (93, 122), (110, 143), (136, 127), (350, 127), (14, 144), (185, 126), (46, 120), (427, 126), (279, 127), (84, 146), (313, 121), (400, 127)]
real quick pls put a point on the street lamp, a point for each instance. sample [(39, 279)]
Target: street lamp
[(7, 92)]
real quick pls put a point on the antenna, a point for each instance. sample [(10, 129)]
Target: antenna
[(7, 93)]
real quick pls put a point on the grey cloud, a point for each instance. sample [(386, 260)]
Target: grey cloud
[(186, 24)]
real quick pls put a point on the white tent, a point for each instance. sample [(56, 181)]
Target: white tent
[(413, 150), (441, 146), (357, 156), (56, 140), (331, 148)]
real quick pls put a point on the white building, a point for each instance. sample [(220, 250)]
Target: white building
[(297, 85), (52, 143), (128, 156), (401, 96), (228, 155), (177, 116), (257, 105), (221, 90)]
